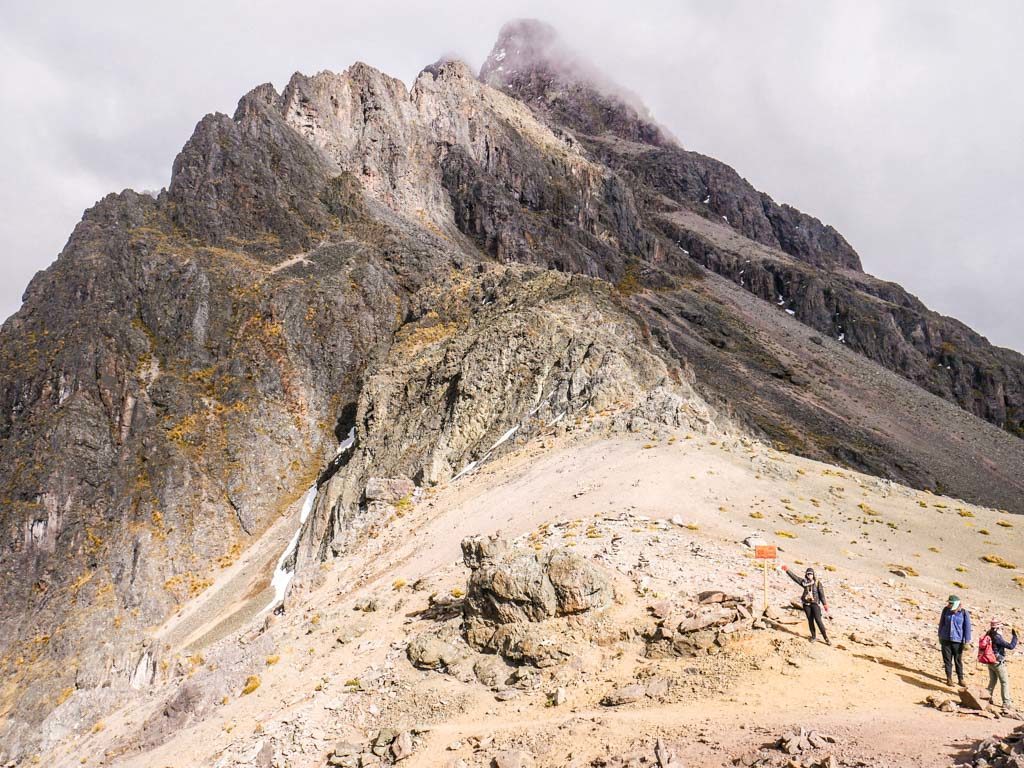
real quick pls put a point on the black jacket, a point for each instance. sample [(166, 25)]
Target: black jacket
[(813, 591)]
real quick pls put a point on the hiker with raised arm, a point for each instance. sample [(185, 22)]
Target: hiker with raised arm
[(992, 653), (954, 634), (812, 598)]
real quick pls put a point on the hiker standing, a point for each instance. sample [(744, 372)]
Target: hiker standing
[(992, 653), (954, 634), (813, 600)]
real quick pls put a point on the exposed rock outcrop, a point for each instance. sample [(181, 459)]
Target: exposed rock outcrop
[(511, 592)]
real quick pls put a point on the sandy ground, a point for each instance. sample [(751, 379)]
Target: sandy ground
[(624, 491)]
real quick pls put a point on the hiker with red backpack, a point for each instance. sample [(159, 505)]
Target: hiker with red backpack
[(954, 634), (992, 653)]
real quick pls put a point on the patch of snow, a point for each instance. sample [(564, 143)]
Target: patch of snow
[(503, 438), (144, 672), (557, 419), (465, 470), (474, 464), (282, 575), (37, 531), (841, 337), (790, 312), (706, 200), (348, 442)]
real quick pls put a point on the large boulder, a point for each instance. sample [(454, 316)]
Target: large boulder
[(511, 590), (432, 651)]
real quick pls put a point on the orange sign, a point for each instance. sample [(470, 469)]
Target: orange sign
[(765, 552)]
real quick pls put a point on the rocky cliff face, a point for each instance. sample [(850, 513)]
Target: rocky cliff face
[(437, 271), (821, 281)]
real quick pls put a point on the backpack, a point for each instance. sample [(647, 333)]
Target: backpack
[(986, 654)]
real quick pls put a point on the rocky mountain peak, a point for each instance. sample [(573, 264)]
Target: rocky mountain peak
[(531, 62), (523, 45)]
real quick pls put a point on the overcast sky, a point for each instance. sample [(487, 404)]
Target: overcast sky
[(900, 123)]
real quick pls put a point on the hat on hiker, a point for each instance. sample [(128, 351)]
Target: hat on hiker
[(809, 572), (995, 624), (953, 600)]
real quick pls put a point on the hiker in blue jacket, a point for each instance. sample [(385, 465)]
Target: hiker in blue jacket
[(954, 634), (992, 650)]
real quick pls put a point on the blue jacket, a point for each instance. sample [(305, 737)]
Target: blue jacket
[(1000, 646), (955, 626)]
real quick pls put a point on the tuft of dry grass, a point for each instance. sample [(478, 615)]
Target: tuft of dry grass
[(997, 560), (907, 569), (251, 684)]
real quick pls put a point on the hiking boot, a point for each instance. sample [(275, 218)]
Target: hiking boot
[(827, 641), (811, 639), (949, 680), (960, 682)]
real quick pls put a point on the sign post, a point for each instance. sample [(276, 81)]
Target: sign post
[(766, 553)]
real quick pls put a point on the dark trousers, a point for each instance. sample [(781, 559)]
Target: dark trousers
[(953, 653), (813, 613)]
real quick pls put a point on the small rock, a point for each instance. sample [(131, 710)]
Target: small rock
[(401, 747), (428, 651), (558, 697), (625, 695), (660, 609), (513, 758), (969, 700), (657, 688), (711, 596), (345, 749), (366, 605)]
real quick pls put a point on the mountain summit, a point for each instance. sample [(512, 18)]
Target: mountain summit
[(354, 292), (531, 61)]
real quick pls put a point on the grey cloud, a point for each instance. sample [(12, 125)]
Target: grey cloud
[(899, 123)]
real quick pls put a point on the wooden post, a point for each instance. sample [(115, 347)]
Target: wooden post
[(764, 567)]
